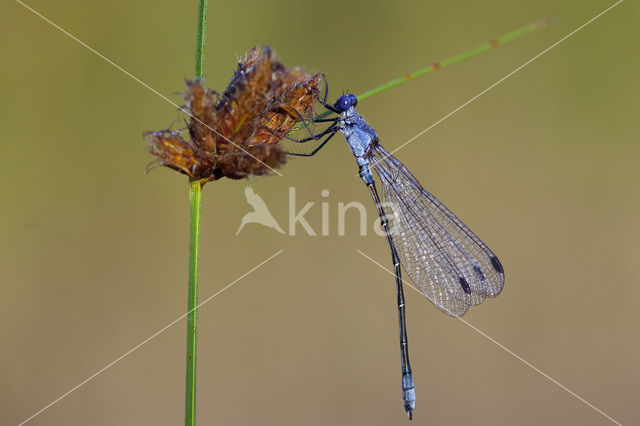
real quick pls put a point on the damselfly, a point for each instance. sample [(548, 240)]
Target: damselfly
[(446, 261)]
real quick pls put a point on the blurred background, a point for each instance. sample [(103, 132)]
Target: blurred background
[(93, 250)]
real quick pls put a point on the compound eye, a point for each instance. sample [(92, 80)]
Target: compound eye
[(343, 103), (354, 99)]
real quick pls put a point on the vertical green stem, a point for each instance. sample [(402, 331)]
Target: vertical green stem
[(200, 36), (195, 198)]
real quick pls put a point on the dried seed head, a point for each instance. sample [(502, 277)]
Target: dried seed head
[(237, 133), (179, 154), (288, 109)]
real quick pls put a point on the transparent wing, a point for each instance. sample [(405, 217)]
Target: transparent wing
[(446, 261)]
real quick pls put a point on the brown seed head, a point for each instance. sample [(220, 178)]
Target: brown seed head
[(237, 134)]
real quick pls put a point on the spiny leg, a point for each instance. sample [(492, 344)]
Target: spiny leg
[(318, 148), (331, 129), (313, 136), (326, 88), (324, 101), (329, 107)]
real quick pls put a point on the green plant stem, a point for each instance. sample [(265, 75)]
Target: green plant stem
[(195, 200), (503, 39), (200, 37), (195, 197)]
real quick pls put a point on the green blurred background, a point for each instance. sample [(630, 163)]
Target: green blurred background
[(93, 251)]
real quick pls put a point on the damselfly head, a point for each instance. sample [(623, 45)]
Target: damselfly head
[(345, 102)]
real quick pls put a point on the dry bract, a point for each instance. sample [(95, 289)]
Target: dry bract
[(237, 134)]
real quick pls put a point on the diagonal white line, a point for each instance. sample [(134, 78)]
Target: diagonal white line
[(506, 76), (142, 83), (88, 379), (545, 375), (518, 357)]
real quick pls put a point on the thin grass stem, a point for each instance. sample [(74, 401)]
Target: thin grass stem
[(200, 37), (195, 197), (491, 44), (195, 200)]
